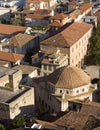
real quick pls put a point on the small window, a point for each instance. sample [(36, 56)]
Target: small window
[(45, 67), (77, 91), (72, 49), (76, 46), (60, 91), (82, 89), (67, 92), (49, 67)]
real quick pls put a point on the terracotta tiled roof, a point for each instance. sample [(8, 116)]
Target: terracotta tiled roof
[(42, 11), (45, 124), (85, 7), (56, 24), (68, 77), (20, 39), (69, 36), (35, 16), (11, 57), (74, 3), (77, 120), (59, 16), (11, 29)]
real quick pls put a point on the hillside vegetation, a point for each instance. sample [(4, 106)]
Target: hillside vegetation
[(94, 52)]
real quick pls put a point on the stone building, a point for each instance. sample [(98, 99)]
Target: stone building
[(21, 43), (15, 99), (41, 4), (59, 20), (63, 90), (28, 73), (32, 20), (72, 41), (12, 58), (53, 60)]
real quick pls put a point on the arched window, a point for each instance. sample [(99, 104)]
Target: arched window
[(67, 91), (82, 89), (60, 91), (77, 91)]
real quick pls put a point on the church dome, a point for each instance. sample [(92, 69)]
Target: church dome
[(68, 78)]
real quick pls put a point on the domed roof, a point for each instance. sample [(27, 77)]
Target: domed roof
[(68, 78)]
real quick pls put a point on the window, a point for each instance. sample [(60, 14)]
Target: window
[(45, 67), (60, 91), (82, 89), (77, 91), (49, 67), (72, 49), (76, 46), (67, 92), (49, 97)]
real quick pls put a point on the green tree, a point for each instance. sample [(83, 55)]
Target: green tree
[(15, 21), (86, 1), (94, 52), (18, 122), (2, 127)]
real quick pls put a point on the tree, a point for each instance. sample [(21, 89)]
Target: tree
[(94, 52), (2, 127), (86, 1), (16, 21), (18, 122)]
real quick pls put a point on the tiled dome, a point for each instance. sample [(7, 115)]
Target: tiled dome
[(68, 78)]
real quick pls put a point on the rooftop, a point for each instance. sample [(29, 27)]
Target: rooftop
[(35, 16), (10, 57), (5, 70), (42, 11), (11, 29), (82, 117), (85, 7), (68, 36), (25, 69), (59, 16), (56, 24), (3, 63), (20, 39), (7, 96)]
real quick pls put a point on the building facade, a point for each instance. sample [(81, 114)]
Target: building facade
[(72, 41), (59, 90), (15, 99)]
